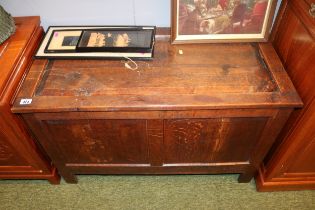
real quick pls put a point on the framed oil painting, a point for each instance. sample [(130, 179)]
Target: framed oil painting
[(206, 21)]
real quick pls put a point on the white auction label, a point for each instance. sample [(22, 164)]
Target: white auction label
[(25, 101)]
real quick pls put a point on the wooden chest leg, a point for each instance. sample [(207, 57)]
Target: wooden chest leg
[(55, 178), (69, 177), (246, 177)]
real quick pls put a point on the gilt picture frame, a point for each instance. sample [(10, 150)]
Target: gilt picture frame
[(213, 21)]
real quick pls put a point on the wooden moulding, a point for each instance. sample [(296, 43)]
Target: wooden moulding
[(20, 157)]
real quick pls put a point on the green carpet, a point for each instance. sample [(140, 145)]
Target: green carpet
[(148, 192)]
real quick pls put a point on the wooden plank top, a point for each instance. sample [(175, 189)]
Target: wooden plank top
[(205, 76)]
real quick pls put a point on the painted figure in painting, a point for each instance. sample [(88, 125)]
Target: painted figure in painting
[(109, 40), (238, 16), (194, 18), (224, 4), (97, 39), (122, 40), (257, 16), (205, 18)]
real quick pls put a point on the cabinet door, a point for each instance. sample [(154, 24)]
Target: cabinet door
[(217, 140), (295, 45), (290, 165), (294, 40)]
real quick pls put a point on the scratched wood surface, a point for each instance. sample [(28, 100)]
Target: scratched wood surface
[(211, 140), (229, 68), (101, 141), (205, 76)]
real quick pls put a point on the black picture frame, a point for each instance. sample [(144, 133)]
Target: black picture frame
[(62, 42), (139, 40)]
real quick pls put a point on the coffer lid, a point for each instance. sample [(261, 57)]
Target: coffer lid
[(180, 77)]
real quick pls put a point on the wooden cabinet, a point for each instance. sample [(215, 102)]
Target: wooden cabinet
[(216, 108), (20, 158), (291, 165)]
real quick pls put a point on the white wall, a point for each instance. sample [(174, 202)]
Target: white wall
[(93, 12)]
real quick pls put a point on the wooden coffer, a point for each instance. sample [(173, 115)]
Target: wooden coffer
[(217, 108)]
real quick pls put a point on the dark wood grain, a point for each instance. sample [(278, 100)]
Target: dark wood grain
[(210, 140), (290, 164), (204, 77), (101, 141), (20, 157), (210, 110), (164, 75)]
